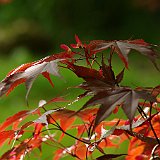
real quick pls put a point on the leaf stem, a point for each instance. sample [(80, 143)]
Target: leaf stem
[(61, 129)]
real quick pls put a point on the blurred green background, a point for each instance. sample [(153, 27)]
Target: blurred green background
[(30, 30)]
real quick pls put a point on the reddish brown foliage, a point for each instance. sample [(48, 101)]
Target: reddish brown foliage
[(91, 131)]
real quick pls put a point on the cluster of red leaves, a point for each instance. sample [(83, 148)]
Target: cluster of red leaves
[(103, 85), (142, 140)]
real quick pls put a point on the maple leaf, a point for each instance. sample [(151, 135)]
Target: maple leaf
[(123, 48), (97, 81), (110, 99), (104, 87), (15, 119), (29, 72)]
